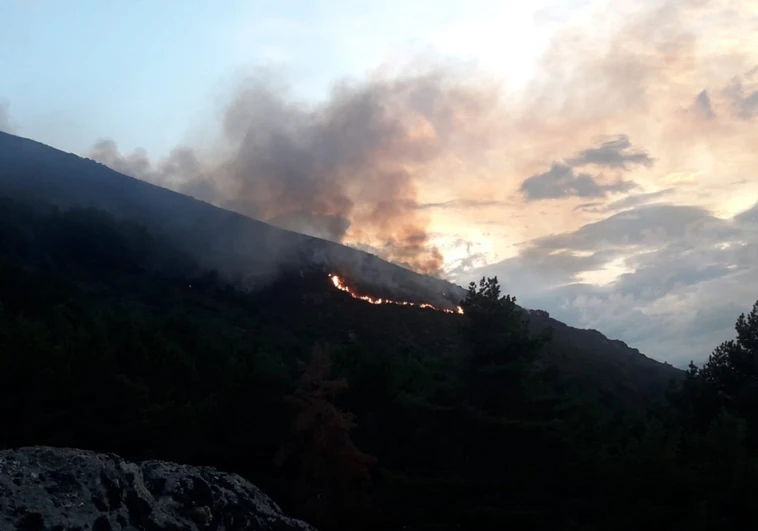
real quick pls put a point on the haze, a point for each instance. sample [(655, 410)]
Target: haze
[(599, 157)]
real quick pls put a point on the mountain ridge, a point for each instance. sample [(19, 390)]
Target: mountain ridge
[(229, 245), (255, 253)]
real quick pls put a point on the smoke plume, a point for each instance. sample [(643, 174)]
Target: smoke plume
[(347, 169), (421, 161)]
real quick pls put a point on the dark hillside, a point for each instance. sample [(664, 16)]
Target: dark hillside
[(234, 245), (352, 415), (609, 369), (619, 373), (254, 254)]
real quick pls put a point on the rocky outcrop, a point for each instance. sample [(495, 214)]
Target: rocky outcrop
[(53, 489)]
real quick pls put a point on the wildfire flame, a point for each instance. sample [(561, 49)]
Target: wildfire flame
[(340, 285)]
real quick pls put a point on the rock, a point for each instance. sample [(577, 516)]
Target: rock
[(63, 489)]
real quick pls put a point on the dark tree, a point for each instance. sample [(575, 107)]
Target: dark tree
[(502, 349), (331, 476), (112, 339), (729, 379)]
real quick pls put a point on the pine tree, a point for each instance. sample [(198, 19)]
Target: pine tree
[(331, 475), (729, 379), (501, 349)]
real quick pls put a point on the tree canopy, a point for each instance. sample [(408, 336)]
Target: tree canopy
[(349, 414)]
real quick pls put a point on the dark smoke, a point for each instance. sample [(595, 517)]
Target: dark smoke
[(346, 169)]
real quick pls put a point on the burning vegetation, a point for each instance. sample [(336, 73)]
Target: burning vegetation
[(339, 283)]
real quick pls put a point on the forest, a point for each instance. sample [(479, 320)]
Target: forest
[(352, 416)]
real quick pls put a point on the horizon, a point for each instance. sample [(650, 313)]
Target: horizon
[(596, 159)]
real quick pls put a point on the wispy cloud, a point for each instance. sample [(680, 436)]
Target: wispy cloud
[(630, 201), (743, 97), (560, 181), (703, 107), (463, 204), (616, 153)]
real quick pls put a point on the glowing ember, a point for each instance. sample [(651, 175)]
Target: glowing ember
[(340, 285)]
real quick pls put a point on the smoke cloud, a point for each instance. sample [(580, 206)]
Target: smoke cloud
[(347, 169), (409, 162)]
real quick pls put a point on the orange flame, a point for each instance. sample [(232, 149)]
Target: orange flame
[(340, 285)]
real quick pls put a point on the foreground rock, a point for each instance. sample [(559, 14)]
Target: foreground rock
[(43, 488)]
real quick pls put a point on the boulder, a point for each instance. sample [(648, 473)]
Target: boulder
[(63, 489)]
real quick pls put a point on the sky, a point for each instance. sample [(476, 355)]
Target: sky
[(597, 156)]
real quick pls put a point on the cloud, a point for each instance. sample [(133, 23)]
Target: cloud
[(647, 226), (671, 278), (625, 203), (561, 181), (703, 107), (748, 217), (681, 282), (744, 100), (595, 206), (679, 316), (465, 204), (614, 153), (536, 270), (638, 199)]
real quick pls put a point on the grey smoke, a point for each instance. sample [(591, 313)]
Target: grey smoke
[(349, 164)]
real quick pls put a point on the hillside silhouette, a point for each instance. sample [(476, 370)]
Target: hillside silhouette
[(253, 255), (142, 322), (236, 246)]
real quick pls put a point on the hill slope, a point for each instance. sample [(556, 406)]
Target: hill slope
[(112, 340), (233, 244), (256, 254)]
